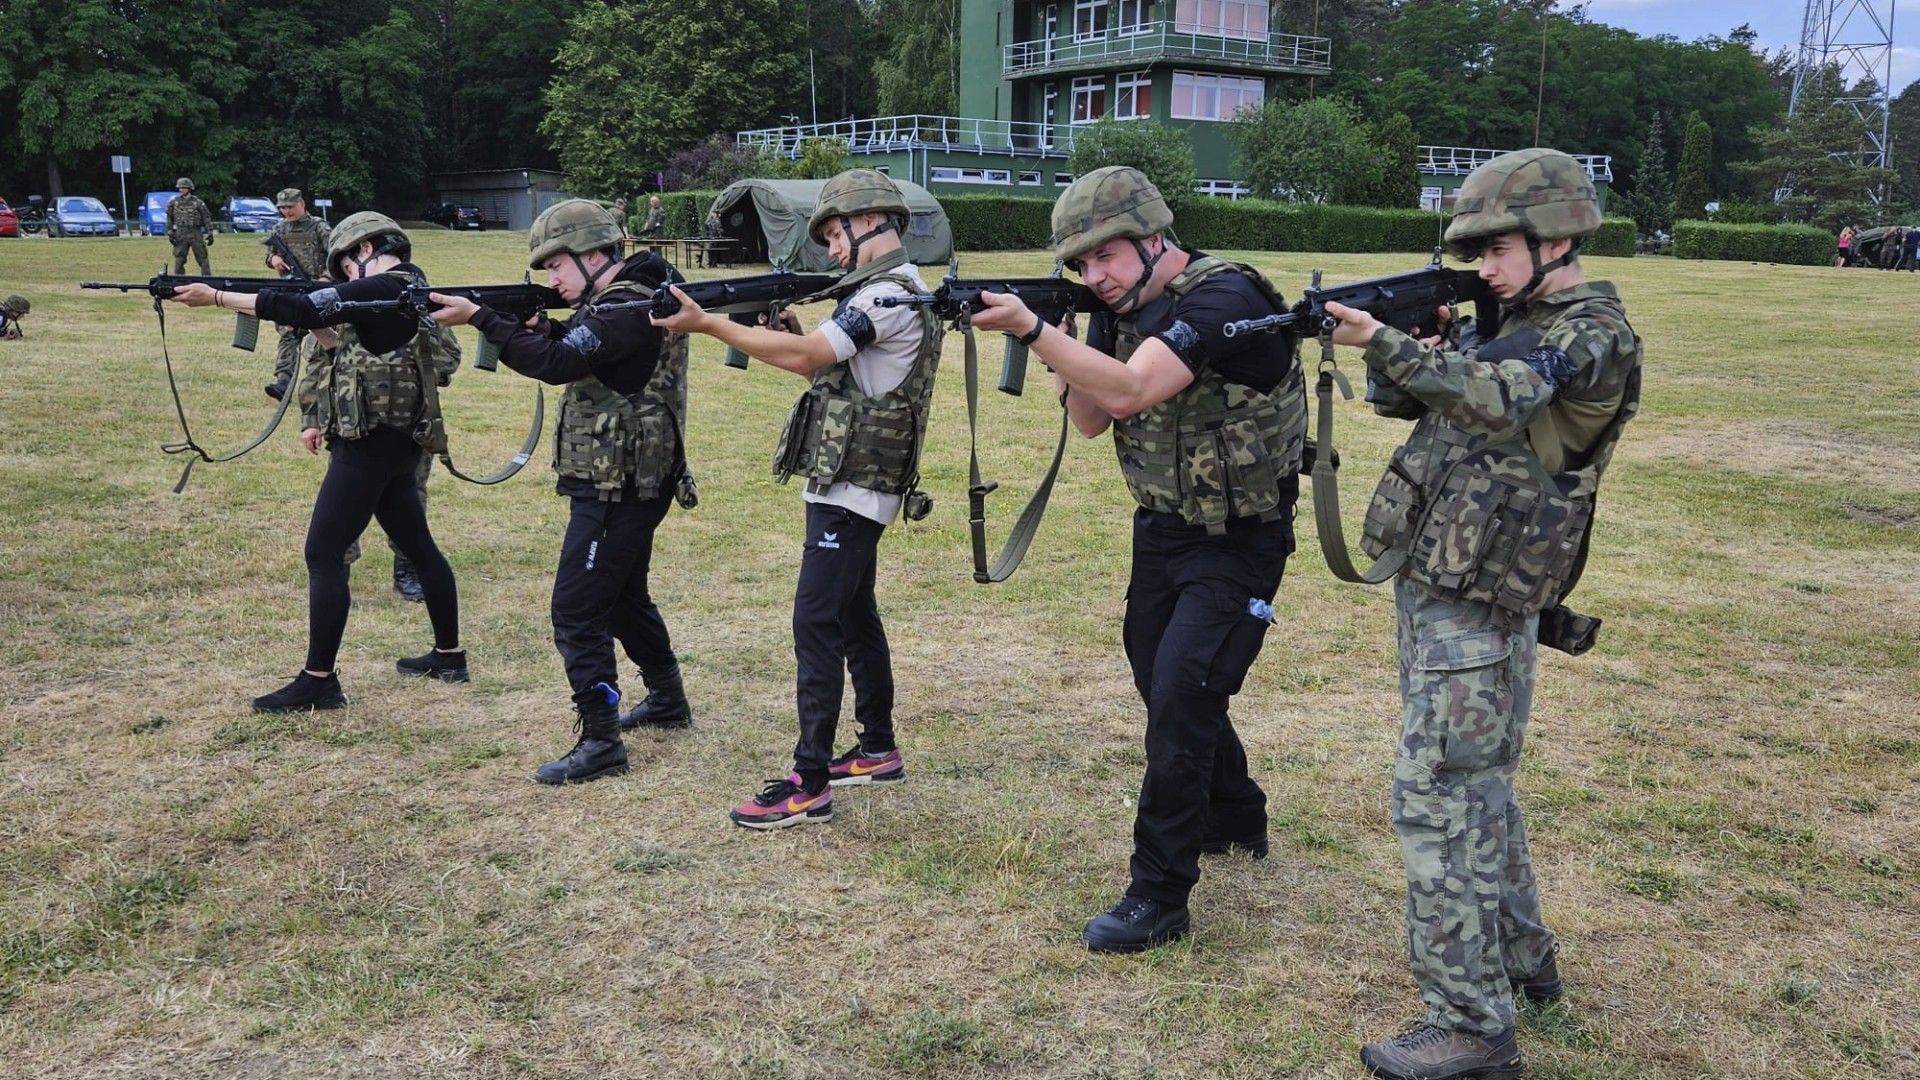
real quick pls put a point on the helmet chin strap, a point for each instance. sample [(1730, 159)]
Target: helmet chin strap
[(1131, 298), (1542, 269), (590, 280), (854, 242)]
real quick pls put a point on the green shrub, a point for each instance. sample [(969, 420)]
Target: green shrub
[(1616, 237), (1794, 245), (686, 212), (998, 222)]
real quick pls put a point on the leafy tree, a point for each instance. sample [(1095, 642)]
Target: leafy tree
[(1903, 124), (718, 161), (919, 71), (492, 61), (820, 159), (1164, 153), (1814, 162), (1315, 151), (1396, 182), (1690, 192), (1650, 203)]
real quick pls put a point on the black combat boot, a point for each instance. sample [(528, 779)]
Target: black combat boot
[(665, 705), (276, 389), (1543, 986), (406, 580), (1254, 847), (598, 753), (445, 666), (1135, 924), (303, 693)]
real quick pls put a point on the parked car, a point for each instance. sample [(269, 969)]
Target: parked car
[(251, 213), (9, 221), (456, 217), (80, 215), (153, 212)]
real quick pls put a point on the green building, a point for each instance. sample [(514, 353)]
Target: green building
[(1033, 71)]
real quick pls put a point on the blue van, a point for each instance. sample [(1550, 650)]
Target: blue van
[(153, 212)]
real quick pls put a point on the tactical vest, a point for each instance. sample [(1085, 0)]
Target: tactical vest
[(362, 390), (1217, 449), (307, 240), (1487, 521), (838, 434), (611, 439), (190, 214)]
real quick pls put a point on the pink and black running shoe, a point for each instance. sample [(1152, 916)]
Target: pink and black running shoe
[(856, 766), (783, 804)]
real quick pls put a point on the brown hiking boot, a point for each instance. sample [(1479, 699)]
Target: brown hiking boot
[(1543, 986), (1432, 1053)]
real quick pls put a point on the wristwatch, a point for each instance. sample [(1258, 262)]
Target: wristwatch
[(1033, 335)]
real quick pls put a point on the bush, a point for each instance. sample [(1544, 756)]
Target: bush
[(1793, 245), (999, 222), (1163, 153), (1617, 236), (686, 212)]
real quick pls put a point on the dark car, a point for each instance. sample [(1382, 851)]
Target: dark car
[(454, 216), (9, 221), (251, 213), (79, 215)]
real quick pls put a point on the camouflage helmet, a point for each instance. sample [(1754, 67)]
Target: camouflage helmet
[(857, 191), (184, 182), (1110, 203), (571, 226), (15, 305), (1543, 193), (365, 225), (288, 197)]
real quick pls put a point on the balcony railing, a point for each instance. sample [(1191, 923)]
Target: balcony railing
[(1461, 160), (1153, 41), (880, 134)]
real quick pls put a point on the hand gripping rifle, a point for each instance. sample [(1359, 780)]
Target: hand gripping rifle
[(752, 300), (1054, 299), (521, 301), (246, 332)]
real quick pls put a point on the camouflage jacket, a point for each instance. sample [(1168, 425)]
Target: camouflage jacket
[(308, 237), (188, 214)]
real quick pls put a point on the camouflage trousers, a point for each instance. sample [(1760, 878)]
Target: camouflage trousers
[(1473, 910), (196, 244), (420, 480), (287, 353)]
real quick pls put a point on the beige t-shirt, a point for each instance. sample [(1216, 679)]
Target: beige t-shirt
[(881, 344)]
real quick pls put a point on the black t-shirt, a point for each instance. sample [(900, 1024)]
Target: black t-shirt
[(620, 346), (1193, 327), (380, 331)]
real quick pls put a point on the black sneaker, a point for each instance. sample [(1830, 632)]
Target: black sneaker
[(1134, 924), (445, 666), (276, 389), (1255, 848), (303, 693)]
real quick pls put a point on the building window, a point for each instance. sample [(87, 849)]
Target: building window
[(943, 175), (1198, 96), (1029, 179), (1136, 16), (1049, 101), (1089, 99), (1231, 189), (1089, 18), (1062, 179), (1222, 18), (1134, 100)]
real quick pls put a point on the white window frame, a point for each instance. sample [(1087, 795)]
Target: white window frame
[(1092, 89), (1049, 101), (1124, 97), (1089, 19), (1136, 17), (1029, 179), (1207, 95), (1231, 189), (1062, 179), (947, 174), (1244, 20)]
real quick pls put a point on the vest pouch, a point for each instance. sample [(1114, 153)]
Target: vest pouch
[(832, 438), (342, 414), (593, 445), (1500, 532), (1546, 555), (651, 470), (1395, 503), (794, 454), (389, 388), (1203, 478), (1252, 476)]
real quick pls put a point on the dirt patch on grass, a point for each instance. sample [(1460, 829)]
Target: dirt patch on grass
[(1785, 447)]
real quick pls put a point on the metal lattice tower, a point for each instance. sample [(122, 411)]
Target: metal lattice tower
[(1856, 38)]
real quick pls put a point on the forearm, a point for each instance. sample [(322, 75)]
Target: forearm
[(1098, 380), (802, 354), (1088, 417), (1495, 399)]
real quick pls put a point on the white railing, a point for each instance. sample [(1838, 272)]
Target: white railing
[(1166, 41), (1461, 160), (880, 134)]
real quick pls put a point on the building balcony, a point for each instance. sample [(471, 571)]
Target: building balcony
[(1155, 42), (1461, 160), (886, 134)]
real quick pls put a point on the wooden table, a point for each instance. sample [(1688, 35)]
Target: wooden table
[(689, 253)]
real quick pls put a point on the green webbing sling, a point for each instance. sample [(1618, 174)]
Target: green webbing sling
[(1028, 523)]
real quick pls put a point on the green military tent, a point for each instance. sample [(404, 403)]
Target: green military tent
[(768, 219)]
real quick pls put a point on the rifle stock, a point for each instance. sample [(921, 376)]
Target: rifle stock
[(1051, 298)]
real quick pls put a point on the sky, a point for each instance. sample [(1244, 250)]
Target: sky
[(1777, 22)]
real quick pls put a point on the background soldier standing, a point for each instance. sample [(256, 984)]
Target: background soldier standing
[(190, 227), (655, 226), (307, 237), (1209, 431), (620, 460), (1514, 429)]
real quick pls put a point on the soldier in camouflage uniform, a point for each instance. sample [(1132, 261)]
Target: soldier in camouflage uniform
[(621, 460), (854, 437), (190, 227), (307, 237), (1489, 502), (1209, 431), (12, 310)]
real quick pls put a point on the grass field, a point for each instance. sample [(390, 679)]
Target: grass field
[(1724, 797)]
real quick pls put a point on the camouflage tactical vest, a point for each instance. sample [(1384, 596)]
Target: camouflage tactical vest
[(189, 214), (838, 434), (307, 239), (1217, 449), (1490, 521), (359, 390), (609, 438)]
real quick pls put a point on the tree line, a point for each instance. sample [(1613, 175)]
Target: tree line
[(361, 100)]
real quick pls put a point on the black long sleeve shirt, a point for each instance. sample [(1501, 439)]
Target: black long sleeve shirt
[(380, 331), (620, 347)]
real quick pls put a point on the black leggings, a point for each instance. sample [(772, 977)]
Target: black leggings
[(367, 478)]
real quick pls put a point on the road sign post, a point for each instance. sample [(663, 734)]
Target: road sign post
[(123, 165)]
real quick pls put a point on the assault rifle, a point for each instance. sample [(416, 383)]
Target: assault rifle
[(277, 244), (522, 301), (1406, 302), (1052, 298), (246, 328), (750, 300)]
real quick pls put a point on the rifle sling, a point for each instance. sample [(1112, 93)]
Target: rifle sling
[(1028, 523), (188, 444), (430, 399), (1326, 487)]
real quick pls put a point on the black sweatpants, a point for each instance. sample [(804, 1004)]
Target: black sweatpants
[(600, 591), (1190, 638), (837, 632), (367, 478)]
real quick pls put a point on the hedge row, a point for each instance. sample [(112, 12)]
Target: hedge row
[(1794, 245), (1009, 223)]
